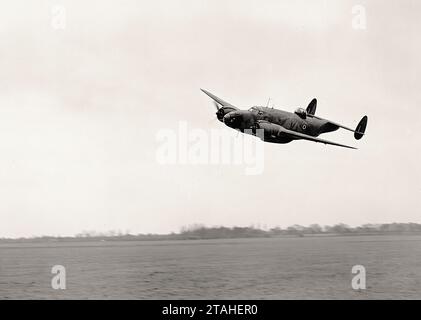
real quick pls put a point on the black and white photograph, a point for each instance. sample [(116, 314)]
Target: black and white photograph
[(214, 150)]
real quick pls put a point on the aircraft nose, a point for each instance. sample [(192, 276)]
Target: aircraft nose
[(230, 120), (227, 118)]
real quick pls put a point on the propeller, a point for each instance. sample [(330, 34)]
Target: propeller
[(220, 113), (221, 110), (216, 105)]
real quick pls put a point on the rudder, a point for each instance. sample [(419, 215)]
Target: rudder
[(311, 109), (360, 130)]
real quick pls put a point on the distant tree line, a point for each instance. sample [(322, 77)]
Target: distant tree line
[(198, 231), (202, 232)]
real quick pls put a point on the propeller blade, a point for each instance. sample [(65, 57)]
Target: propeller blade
[(216, 105)]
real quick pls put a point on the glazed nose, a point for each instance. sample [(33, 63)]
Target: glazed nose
[(227, 118)]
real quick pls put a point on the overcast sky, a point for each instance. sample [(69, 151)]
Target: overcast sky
[(80, 109)]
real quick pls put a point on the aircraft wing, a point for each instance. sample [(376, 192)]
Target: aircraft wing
[(298, 135), (219, 100), (332, 122), (314, 139)]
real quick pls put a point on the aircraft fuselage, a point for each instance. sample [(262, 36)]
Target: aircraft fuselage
[(247, 119)]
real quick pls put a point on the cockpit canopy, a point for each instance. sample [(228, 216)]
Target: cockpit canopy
[(301, 113), (255, 108)]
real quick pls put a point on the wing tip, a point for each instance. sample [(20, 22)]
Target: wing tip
[(341, 145)]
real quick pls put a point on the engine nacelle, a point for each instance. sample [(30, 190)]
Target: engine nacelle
[(222, 111), (301, 113)]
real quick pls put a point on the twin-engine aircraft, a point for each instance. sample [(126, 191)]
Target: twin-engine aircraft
[(281, 126)]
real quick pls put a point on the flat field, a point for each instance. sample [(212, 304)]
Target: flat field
[(269, 268)]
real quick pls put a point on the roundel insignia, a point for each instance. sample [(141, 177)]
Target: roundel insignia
[(304, 126)]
